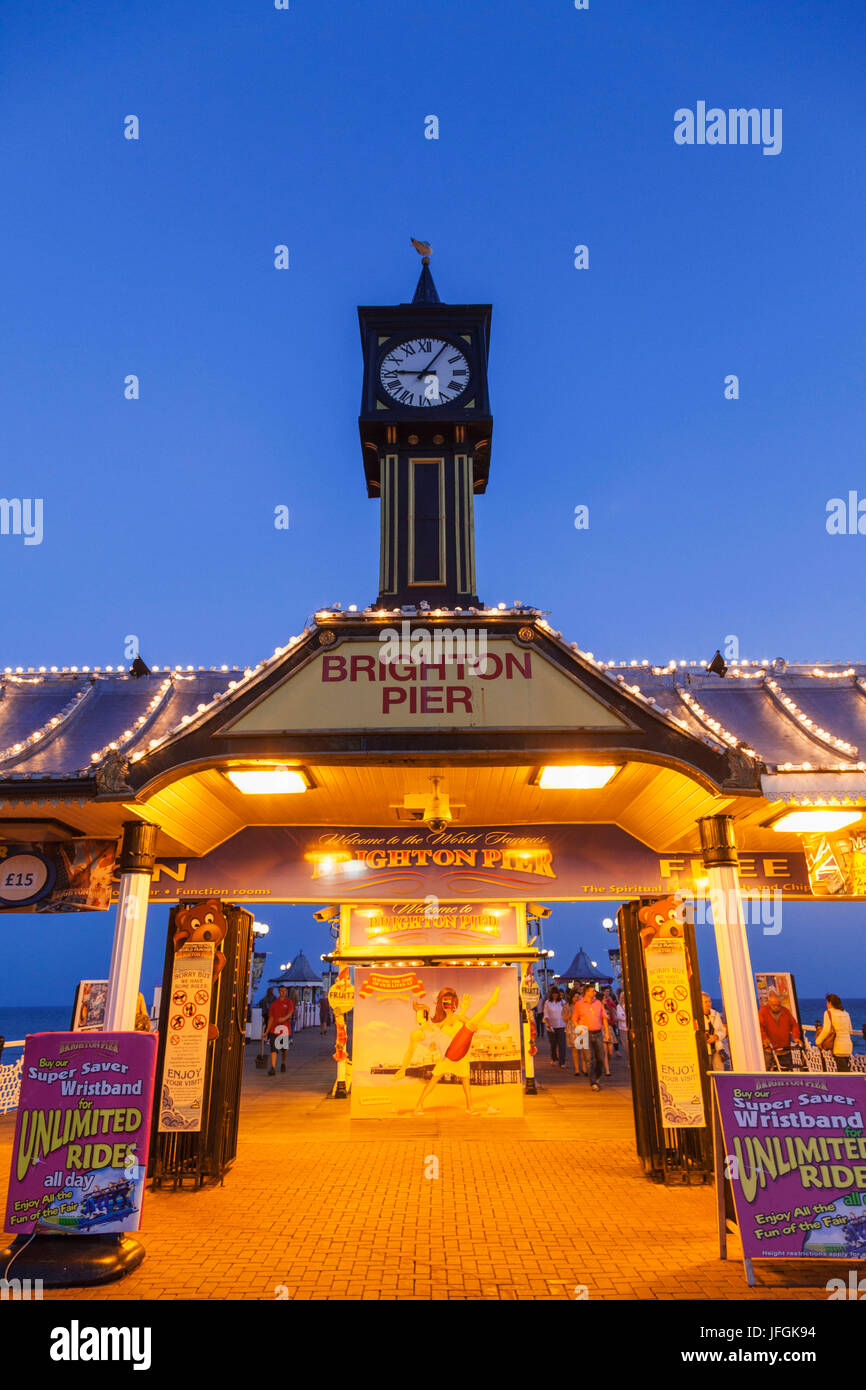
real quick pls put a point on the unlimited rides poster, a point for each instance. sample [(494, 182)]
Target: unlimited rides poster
[(436, 1041)]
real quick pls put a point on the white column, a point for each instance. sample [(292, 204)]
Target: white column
[(124, 980), (735, 966), (125, 974)]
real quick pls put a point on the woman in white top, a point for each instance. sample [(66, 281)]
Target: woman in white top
[(621, 1023), (838, 1020)]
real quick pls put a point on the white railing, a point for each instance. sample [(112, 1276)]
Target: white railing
[(10, 1079)]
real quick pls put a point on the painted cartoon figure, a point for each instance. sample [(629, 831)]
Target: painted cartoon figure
[(662, 918), (452, 1020), (418, 1034), (204, 921)]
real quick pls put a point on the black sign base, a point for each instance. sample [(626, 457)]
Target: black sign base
[(71, 1261)]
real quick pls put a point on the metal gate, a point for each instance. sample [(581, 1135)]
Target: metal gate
[(206, 1154), (668, 1155)]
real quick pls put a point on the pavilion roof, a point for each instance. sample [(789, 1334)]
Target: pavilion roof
[(300, 972), (582, 968), (802, 726)]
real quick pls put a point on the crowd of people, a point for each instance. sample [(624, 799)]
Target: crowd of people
[(587, 1022), (591, 1025)]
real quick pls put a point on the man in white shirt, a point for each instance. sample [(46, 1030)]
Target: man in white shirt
[(555, 1025), (714, 1034)]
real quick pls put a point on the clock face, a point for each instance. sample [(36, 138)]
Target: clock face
[(424, 372)]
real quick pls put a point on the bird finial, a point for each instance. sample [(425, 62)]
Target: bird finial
[(424, 249)]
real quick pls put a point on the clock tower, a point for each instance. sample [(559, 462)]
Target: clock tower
[(425, 434)]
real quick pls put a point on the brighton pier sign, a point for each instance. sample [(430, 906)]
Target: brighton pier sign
[(391, 864)]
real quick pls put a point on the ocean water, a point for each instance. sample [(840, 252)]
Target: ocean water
[(39, 1018)]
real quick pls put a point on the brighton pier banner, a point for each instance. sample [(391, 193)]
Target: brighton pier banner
[(466, 863)]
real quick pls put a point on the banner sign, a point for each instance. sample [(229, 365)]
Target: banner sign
[(56, 875), (673, 1023), (406, 926), (400, 863), (185, 1061), (837, 863), (383, 983), (259, 958), (795, 1154), (505, 687), (88, 1015), (437, 1042), (81, 1136)]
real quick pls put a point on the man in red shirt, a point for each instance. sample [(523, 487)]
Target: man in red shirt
[(279, 1028), (778, 1029), (589, 1012)]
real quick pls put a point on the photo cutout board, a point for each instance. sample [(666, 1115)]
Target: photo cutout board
[(436, 1041)]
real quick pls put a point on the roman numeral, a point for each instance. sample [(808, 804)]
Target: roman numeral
[(458, 357), (404, 396), (455, 385), (425, 345)]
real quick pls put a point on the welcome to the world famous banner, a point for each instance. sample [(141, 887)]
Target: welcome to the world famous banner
[(409, 863), (795, 1154), (81, 1137)]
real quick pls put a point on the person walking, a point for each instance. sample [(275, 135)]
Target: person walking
[(539, 1018), (589, 1012), (279, 1028), (576, 1038), (779, 1029), (555, 1026), (622, 1022), (715, 1033), (567, 1002), (324, 1014), (835, 1034), (612, 1040)]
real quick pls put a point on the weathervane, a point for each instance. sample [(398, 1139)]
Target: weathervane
[(424, 249)]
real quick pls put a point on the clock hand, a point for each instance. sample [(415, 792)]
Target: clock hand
[(439, 354)]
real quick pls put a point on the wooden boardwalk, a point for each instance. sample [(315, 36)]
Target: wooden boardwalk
[(319, 1206)]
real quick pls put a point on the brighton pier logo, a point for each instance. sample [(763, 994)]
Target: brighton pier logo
[(736, 126)]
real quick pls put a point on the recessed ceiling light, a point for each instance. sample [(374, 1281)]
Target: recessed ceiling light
[(813, 822), (578, 777), (267, 781)]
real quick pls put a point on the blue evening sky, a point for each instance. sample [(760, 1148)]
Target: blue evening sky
[(306, 127)]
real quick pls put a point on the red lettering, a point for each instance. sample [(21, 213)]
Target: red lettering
[(459, 695), (512, 660), (333, 662), (429, 694), (492, 667), (465, 856), (399, 859), (362, 663), (395, 675), (392, 695), (491, 857), (443, 857), (438, 667), (376, 858)]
